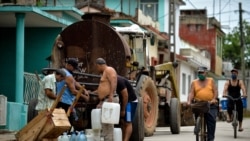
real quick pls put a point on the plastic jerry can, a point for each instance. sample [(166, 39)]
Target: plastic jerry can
[(81, 136), (110, 113), (117, 134), (96, 134), (64, 137), (73, 136), (244, 102), (96, 119), (89, 135)]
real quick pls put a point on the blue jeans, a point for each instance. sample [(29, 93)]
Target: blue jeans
[(210, 118)]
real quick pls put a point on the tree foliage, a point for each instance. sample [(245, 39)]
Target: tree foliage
[(232, 49)]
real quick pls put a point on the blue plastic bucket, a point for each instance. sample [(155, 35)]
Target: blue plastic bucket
[(244, 102), (223, 104)]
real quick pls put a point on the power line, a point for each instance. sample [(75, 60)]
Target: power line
[(235, 20), (225, 6), (221, 13), (192, 4)]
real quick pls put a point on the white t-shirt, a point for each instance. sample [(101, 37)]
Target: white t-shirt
[(48, 82)]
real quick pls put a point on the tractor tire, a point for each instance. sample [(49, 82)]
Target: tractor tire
[(32, 112), (138, 122), (147, 90), (175, 116)]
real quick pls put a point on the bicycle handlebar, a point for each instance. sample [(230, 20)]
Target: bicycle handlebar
[(234, 99)]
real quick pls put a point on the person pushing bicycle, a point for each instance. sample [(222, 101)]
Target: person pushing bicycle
[(204, 89), (232, 87)]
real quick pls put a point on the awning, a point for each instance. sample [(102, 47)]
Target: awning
[(128, 26), (39, 16), (160, 36)]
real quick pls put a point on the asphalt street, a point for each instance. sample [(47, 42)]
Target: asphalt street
[(224, 132)]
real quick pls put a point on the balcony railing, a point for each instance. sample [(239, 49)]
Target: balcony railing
[(195, 57), (50, 2)]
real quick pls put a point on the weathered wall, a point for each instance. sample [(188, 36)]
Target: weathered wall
[(38, 46)]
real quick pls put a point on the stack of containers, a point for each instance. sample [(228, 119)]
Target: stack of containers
[(96, 124), (111, 115)]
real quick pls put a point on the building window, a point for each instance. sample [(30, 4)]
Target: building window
[(161, 58), (219, 46), (198, 27), (150, 8), (183, 84), (192, 28)]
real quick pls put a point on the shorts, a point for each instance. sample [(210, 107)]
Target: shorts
[(130, 111)]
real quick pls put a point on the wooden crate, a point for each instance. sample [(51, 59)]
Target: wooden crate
[(33, 128), (45, 126), (54, 127)]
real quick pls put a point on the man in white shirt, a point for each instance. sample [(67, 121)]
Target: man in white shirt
[(47, 92)]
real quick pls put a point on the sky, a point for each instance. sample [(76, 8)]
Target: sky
[(225, 11)]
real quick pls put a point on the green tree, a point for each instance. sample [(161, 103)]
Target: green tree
[(231, 46)]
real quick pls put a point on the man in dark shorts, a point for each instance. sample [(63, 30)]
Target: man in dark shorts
[(128, 101)]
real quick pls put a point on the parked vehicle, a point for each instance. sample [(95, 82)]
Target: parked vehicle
[(93, 38)]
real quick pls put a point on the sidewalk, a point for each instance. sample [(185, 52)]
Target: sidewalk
[(7, 135)]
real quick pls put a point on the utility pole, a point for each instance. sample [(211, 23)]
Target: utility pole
[(242, 44), (171, 28)]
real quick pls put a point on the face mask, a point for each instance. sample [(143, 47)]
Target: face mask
[(234, 76), (201, 77)]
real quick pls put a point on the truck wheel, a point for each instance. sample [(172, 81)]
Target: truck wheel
[(138, 122), (148, 92), (175, 119), (32, 112)]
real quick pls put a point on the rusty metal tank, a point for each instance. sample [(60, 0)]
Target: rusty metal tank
[(88, 40)]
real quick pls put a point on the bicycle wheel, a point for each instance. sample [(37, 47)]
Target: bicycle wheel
[(235, 123), (203, 129), (197, 128)]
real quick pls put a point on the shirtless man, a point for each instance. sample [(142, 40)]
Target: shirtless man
[(108, 82), (107, 92)]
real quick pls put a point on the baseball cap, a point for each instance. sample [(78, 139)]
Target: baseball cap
[(202, 69), (234, 70), (73, 62)]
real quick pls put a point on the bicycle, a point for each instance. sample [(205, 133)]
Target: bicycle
[(234, 114), (199, 109)]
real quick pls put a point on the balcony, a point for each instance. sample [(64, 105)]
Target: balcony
[(196, 57)]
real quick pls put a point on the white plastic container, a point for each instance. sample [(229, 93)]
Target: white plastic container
[(96, 119), (96, 134), (117, 134), (89, 134), (64, 137), (110, 113)]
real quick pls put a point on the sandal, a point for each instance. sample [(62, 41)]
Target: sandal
[(241, 129), (229, 120)]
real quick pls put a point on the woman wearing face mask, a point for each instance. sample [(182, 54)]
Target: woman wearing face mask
[(204, 89), (232, 88)]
